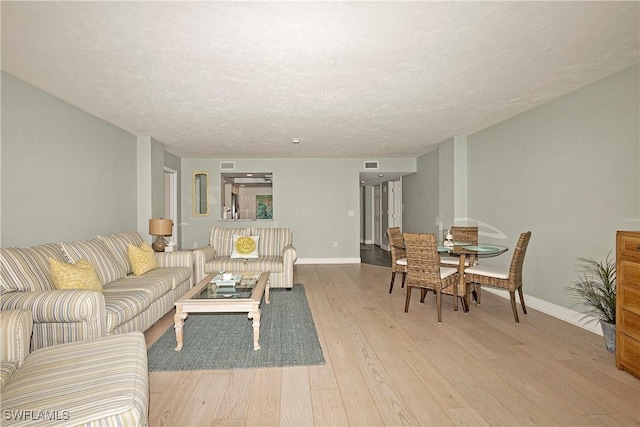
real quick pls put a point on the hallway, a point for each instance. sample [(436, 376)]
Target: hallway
[(373, 254)]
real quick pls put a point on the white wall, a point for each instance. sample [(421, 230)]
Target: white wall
[(66, 174)]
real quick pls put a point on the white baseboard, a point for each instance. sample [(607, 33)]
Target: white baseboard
[(328, 260), (559, 312), (366, 242)]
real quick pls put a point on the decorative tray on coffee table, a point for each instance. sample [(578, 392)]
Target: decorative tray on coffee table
[(221, 283)]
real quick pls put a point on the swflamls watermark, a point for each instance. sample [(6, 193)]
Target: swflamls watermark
[(35, 415)]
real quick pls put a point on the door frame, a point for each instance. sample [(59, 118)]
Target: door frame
[(376, 212), (171, 202)]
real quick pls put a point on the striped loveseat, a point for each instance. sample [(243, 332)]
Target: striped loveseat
[(99, 382), (128, 302), (276, 254)]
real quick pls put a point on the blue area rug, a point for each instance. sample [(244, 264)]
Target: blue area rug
[(288, 337)]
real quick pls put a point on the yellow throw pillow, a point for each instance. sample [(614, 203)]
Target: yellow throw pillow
[(245, 246), (142, 258), (80, 275)]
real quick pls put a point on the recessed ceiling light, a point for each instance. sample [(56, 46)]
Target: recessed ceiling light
[(249, 174), (295, 141), (380, 175)]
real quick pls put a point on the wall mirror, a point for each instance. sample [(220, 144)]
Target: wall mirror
[(200, 193), (247, 195)]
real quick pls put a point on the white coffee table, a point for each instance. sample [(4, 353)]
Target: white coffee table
[(206, 297)]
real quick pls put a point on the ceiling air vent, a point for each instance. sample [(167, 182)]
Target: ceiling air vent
[(229, 166), (372, 164)]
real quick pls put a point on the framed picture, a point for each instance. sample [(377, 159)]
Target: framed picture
[(264, 206)]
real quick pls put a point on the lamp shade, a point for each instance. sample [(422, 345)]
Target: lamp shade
[(160, 227)]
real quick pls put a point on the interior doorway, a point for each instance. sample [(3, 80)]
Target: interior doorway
[(381, 207), (171, 203)]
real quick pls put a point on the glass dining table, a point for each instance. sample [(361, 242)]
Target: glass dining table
[(466, 251)]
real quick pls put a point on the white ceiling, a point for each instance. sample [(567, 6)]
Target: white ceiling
[(349, 79)]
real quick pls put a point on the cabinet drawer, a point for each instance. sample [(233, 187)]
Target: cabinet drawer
[(628, 246), (628, 352), (628, 273), (628, 297), (629, 323)]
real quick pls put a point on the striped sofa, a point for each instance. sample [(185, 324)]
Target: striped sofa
[(128, 302), (275, 250), (99, 382)]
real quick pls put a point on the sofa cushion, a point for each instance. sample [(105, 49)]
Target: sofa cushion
[(27, 269), (120, 307), (155, 287), (272, 240), (176, 275), (103, 381), (222, 238), (7, 369), (97, 253), (272, 263), (80, 275), (117, 243), (224, 263), (142, 258), (245, 246)]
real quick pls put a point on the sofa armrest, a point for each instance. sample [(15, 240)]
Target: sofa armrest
[(201, 256), (60, 315), (175, 259), (289, 255), (15, 328)]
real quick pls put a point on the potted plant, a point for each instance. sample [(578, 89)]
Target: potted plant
[(595, 292)]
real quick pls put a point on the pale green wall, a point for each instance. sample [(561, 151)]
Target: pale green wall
[(569, 171), (66, 174), (446, 187), (145, 192), (420, 196), (310, 196), (157, 179), (150, 201)]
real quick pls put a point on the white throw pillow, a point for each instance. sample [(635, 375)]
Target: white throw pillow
[(245, 246)]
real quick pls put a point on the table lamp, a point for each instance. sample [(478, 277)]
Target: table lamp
[(160, 228)]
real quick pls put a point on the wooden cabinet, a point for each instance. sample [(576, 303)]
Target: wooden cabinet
[(628, 301)]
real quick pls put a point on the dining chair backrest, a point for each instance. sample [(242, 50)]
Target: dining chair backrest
[(423, 260), (517, 261), (465, 234), (394, 235)]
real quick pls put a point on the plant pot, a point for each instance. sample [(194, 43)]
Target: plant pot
[(609, 332)]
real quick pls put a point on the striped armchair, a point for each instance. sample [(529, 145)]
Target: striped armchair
[(276, 254), (127, 302), (98, 382)]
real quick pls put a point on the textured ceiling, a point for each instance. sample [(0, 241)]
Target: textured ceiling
[(349, 79)]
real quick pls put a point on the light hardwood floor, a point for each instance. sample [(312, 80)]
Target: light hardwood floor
[(385, 367)]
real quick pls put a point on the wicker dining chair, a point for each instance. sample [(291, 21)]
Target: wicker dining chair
[(461, 234), (424, 271), (510, 280), (398, 255)]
